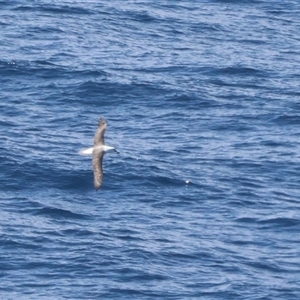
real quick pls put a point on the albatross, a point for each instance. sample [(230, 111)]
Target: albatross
[(98, 152)]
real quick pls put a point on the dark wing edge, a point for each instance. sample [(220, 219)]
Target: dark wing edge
[(97, 168), (99, 135)]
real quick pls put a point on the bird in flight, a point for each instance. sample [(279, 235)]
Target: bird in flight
[(98, 152)]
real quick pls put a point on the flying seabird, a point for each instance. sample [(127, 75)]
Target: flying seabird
[(98, 152)]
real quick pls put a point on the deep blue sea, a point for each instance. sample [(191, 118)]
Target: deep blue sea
[(201, 99)]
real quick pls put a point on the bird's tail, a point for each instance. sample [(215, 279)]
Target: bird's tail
[(87, 151)]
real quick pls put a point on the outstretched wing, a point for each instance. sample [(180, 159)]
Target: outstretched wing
[(99, 135), (97, 168)]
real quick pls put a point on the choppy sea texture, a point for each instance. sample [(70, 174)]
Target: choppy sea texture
[(199, 92)]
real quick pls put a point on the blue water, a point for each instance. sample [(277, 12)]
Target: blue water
[(200, 91)]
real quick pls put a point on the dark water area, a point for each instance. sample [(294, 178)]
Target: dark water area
[(202, 100)]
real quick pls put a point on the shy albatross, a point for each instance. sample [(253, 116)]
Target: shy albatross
[(98, 152)]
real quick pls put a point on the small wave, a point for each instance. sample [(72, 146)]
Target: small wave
[(59, 213), (281, 222)]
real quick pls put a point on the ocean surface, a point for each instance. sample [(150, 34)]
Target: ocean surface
[(201, 99)]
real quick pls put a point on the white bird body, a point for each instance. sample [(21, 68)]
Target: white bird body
[(89, 151)]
